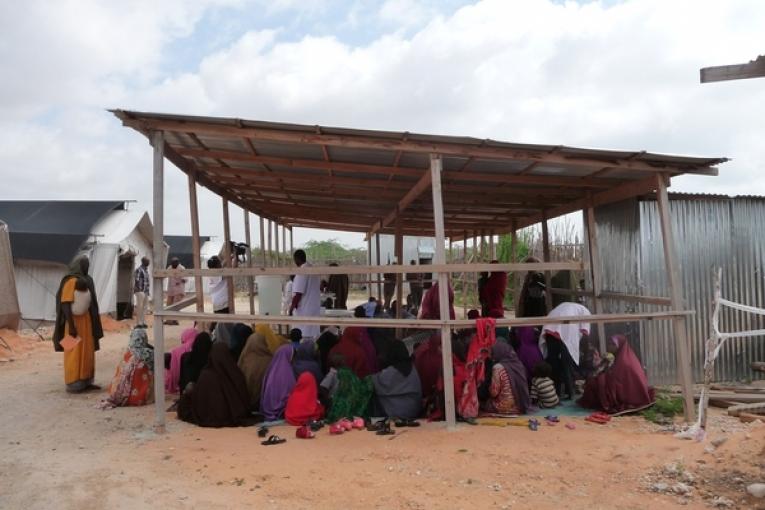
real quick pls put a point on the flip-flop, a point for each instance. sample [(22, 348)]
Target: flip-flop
[(593, 418), (570, 426), (358, 423), (407, 423), (273, 440), (336, 429), (552, 418), (346, 424), (376, 426), (533, 424), (315, 425), (603, 416), (385, 431), (262, 431), (304, 432)]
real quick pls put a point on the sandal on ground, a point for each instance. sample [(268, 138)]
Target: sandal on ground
[(304, 432), (336, 429), (552, 418), (603, 416), (358, 423), (594, 418), (385, 430), (273, 440), (376, 425), (315, 425), (346, 424), (262, 431), (533, 424), (570, 426), (407, 423)]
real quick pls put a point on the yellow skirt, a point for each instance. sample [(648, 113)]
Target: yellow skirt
[(80, 362)]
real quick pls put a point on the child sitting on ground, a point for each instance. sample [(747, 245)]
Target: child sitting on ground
[(542, 387)]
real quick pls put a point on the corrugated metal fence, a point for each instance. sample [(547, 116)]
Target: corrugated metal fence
[(709, 232)]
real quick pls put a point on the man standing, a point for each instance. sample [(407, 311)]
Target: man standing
[(338, 285), (306, 297), (141, 288), (176, 287), (415, 289)]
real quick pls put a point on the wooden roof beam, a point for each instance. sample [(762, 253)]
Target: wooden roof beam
[(419, 188)]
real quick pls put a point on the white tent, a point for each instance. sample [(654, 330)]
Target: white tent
[(115, 246)]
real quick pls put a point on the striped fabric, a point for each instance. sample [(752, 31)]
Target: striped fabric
[(543, 391)]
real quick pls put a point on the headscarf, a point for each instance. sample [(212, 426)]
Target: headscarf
[(219, 398), (528, 348), (254, 362), (303, 403), (429, 365), (277, 384), (273, 340), (173, 376), (352, 396), (305, 361), (326, 341), (493, 295), (76, 269), (223, 333), (478, 352), (431, 303), (503, 354), (196, 359), (353, 354), (399, 358), (239, 336), (571, 333), (139, 347)]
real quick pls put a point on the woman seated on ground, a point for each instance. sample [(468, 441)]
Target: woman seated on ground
[(219, 397), (543, 392), (195, 360), (525, 339), (347, 395), (508, 391), (561, 342), (255, 359), (173, 374), (305, 360), (303, 403), (397, 388), (277, 384), (238, 340), (429, 365), (357, 350), (133, 383), (621, 385)]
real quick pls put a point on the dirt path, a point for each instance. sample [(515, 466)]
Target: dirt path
[(58, 451)]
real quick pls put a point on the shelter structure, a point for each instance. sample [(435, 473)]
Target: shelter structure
[(45, 236), (404, 183)]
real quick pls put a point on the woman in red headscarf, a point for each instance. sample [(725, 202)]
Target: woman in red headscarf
[(303, 403)]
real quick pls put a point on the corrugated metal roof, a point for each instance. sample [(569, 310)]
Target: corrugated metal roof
[(316, 176)]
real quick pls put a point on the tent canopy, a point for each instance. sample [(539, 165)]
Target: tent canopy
[(52, 231), (361, 180)]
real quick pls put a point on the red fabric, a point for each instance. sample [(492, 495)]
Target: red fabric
[(475, 364), (493, 295), (622, 387), (431, 304), (350, 348), (427, 361), (303, 403)]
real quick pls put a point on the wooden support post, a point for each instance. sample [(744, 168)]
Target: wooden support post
[(546, 256), (676, 296), (483, 246), (369, 263), (514, 243), (270, 243), (228, 259), (436, 165), (595, 268), (379, 275), (451, 251), (292, 246), (158, 142), (517, 282), (196, 245), (263, 261), (278, 256), (250, 279), (474, 276), (399, 248), (464, 274), (492, 252), (285, 253)]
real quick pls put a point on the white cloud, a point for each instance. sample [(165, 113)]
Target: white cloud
[(621, 76)]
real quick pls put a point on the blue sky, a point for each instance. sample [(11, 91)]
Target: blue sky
[(606, 74)]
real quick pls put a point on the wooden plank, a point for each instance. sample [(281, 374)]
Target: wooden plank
[(187, 301), (196, 245), (263, 261), (287, 255), (369, 263), (292, 245), (227, 258), (676, 296), (327, 270), (417, 323), (399, 249), (405, 201), (436, 166), (158, 190), (250, 279), (648, 300), (595, 267), (752, 69), (277, 255), (374, 142), (546, 257)]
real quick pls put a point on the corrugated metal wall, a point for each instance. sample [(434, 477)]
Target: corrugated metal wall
[(709, 232)]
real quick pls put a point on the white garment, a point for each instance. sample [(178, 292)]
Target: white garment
[(81, 303), (287, 297), (176, 286), (570, 333), (218, 292), (141, 300), (310, 302)]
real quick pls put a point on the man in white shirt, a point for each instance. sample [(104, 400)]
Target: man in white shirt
[(218, 287), (306, 297)]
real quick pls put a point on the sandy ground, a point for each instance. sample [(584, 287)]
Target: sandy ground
[(59, 451)]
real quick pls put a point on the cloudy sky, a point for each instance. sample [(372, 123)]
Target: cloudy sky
[(609, 74)]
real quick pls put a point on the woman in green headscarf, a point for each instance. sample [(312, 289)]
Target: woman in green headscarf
[(77, 316)]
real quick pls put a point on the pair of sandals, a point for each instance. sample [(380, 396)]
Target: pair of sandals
[(600, 418), (381, 427), (272, 440)]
